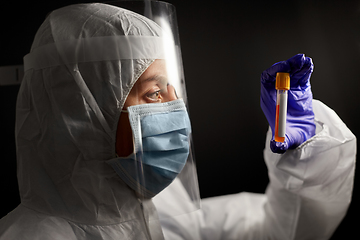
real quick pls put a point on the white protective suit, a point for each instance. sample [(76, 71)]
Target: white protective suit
[(66, 128)]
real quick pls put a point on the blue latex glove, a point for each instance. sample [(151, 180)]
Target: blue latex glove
[(300, 116)]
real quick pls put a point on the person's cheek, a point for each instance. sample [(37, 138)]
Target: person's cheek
[(124, 142)]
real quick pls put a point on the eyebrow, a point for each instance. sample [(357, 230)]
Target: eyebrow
[(157, 78)]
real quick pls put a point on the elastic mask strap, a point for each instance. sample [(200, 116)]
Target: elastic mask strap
[(95, 49)]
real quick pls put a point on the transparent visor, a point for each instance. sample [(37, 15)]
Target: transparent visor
[(133, 48), (160, 164)]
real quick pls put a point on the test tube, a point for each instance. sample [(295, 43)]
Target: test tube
[(282, 86)]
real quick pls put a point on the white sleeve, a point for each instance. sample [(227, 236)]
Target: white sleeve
[(311, 186), (308, 195)]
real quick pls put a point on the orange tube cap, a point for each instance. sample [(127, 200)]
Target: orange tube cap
[(282, 81)]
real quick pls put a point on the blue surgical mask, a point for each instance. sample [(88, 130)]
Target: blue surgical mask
[(161, 146)]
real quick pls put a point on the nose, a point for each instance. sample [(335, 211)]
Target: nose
[(171, 94)]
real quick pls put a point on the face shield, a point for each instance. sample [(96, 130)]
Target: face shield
[(115, 79), (161, 161)]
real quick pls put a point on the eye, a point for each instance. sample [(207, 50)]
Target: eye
[(154, 96)]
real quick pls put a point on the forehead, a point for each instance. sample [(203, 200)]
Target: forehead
[(158, 67), (156, 72)]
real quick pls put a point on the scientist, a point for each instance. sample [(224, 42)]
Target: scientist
[(104, 146)]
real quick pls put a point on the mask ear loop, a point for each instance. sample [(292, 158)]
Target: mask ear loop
[(135, 119)]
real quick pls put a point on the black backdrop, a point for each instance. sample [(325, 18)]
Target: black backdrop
[(225, 46)]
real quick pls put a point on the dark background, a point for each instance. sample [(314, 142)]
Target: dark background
[(225, 46)]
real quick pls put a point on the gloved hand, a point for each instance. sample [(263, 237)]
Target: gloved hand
[(300, 124)]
